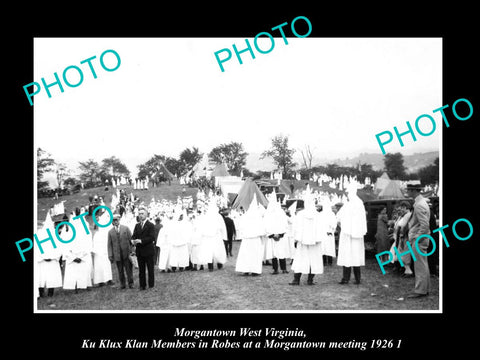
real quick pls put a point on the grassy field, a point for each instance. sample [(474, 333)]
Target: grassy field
[(82, 198), (227, 290)]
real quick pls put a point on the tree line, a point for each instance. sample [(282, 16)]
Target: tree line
[(160, 167)]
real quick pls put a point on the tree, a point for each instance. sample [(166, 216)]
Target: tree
[(282, 155), (113, 167), (333, 170), (247, 173), (393, 165), (150, 167), (175, 166), (44, 164), (261, 174), (61, 171), (154, 168), (233, 155), (190, 158), (70, 181), (366, 170), (307, 157), (430, 174), (90, 171)]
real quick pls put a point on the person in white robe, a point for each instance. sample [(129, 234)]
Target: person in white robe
[(251, 229), (267, 245), (276, 227), (291, 213), (197, 254), (211, 227), (178, 234), (102, 267), (267, 242), (48, 270), (164, 242), (329, 221), (78, 260), (308, 235), (353, 227)]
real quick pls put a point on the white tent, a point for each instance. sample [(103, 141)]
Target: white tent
[(382, 182), (203, 168), (391, 191)]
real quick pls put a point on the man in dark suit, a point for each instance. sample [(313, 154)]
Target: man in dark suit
[(231, 232), (158, 226), (119, 250), (144, 238)]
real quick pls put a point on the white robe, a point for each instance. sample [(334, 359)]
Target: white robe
[(251, 252), (164, 243), (308, 259), (49, 273), (308, 255), (47, 270), (281, 248), (178, 233), (329, 222), (290, 235), (353, 227), (351, 251), (102, 268), (212, 230), (267, 244), (276, 222), (250, 255), (78, 275), (197, 255)]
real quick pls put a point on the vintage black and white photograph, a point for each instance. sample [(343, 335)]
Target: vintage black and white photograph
[(209, 175)]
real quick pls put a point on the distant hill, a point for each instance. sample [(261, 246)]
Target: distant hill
[(412, 162)]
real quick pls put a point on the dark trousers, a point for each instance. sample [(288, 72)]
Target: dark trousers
[(228, 246), (433, 260), (125, 266), (157, 254), (297, 276), (283, 264), (347, 270), (327, 260), (210, 266), (148, 263), (41, 291)]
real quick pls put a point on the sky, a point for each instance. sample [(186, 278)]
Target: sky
[(333, 94)]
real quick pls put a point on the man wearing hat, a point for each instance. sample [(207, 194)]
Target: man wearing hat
[(119, 249), (419, 224), (230, 231)]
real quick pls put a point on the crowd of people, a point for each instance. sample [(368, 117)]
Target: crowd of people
[(197, 235), (395, 232)]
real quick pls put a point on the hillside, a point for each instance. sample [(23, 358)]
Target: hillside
[(412, 162), (254, 163)]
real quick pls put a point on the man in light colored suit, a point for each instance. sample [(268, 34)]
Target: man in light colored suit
[(119, 248), (419, 224)]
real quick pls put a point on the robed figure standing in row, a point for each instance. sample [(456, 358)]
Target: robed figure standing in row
[(353, 226)]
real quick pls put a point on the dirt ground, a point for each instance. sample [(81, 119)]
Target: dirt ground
[(228, 290)]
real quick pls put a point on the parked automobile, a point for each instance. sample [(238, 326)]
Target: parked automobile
[(373, 208)]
